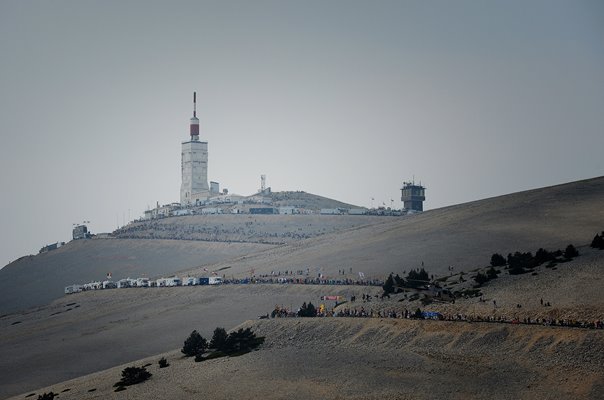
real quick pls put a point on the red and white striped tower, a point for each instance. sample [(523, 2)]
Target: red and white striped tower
[(194, 164)]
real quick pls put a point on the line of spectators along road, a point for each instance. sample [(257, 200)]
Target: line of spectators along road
[(282, 312)]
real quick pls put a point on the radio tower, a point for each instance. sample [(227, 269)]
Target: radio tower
[(194, 164)]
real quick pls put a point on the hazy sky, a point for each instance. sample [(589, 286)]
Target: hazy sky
[(344, 99)]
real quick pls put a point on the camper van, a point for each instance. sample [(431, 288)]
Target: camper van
[(92, 286), (190, 281), (174, 281), (109, 285), (123, 283), (73, 289), (142, 282), (214, 280)]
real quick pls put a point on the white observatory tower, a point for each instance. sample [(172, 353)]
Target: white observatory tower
[(194, 165)]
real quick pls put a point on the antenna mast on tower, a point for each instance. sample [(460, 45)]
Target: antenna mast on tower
[(194, 120)]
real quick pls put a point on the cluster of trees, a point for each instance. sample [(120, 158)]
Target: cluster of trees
[(520, 263), (598, 242), (222, 344), (415, 279)]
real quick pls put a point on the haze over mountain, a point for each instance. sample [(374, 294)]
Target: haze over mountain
[(344, 98)]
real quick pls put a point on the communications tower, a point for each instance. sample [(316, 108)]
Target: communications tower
[(194, 164)]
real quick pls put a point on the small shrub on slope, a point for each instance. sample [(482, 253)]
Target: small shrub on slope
[(570, 252), (132, 376)]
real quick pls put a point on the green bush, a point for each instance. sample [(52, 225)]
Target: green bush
[(163, 363), (132, 376), (47, 396)]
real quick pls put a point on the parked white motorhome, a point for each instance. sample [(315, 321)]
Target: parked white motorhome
[(73, 289), (190, 281), (174, 281), (109, 285), (142, 282), (215, 280), (357, 211), (333, 211), (211, 210), (92, 286), (123, 283)]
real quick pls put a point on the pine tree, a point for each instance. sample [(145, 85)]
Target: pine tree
[(388, 285), (219, 339), (497, 260), (570, 252), (195, 344), (598, 242)]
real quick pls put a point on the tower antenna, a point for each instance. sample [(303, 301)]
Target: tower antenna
[(195, 104)]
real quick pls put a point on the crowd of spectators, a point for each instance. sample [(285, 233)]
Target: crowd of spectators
[(362, 312)]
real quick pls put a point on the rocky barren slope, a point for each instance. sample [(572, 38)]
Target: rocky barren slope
[(245, 228), (88, 332), (463, 236), (93, 331), (38, 280), (346, 358)]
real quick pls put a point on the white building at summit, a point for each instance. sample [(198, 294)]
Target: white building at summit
[(194, 165)]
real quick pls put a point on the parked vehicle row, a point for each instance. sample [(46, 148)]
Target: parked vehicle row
[(143, 282)]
